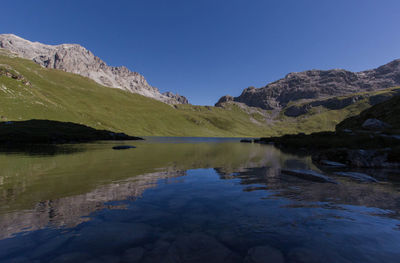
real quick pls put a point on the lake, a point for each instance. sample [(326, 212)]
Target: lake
[(190, 200)]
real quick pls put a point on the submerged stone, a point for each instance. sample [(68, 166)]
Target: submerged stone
[(358, 176), (332, 163), (72, 257), (309, 175), (107, 237), (199, 248), (264, 254), (133, 255)]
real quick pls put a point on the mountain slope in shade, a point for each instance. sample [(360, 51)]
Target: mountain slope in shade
[(388, 112), (76, 59), (317, 84)]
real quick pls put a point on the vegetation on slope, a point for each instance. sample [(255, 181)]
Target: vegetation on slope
[(57, 95), (388, 112), (28, 91)]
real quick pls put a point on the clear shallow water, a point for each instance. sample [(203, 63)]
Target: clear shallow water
[(190, 200)]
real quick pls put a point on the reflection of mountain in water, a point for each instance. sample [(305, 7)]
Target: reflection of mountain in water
[(70, 211), (61, 189), (28, 180), (35, 191)]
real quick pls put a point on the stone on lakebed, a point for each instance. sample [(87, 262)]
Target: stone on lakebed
[(309, 175), (358, 176)]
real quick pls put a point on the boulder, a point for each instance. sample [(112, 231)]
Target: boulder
[(375, 124)]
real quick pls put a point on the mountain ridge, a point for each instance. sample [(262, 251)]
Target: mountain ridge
[(317, 84), (74, 58)]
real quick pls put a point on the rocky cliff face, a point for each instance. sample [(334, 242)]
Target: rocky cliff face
[(76, 59), (317, 84)]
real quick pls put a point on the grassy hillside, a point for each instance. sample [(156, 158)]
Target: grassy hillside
[(322, 119), (388, 111), (56, 95), (28, 91)]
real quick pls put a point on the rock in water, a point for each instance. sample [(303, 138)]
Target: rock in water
[(264, 254), (358, 176), (309, 175), (199, 248), (375, 124), (76, 59), (123, 147), (331, 163), (357, 158), (133, 255)]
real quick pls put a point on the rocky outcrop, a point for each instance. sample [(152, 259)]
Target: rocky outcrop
[(12, 74), (224, 99), (317, 84), (179, 98), (76, 59)]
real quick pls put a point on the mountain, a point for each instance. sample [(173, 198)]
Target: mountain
[(76, 59), (29, 91), (314, 85)]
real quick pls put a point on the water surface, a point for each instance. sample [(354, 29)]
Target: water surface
[(190, 200)]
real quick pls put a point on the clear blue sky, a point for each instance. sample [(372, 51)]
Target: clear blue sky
[(205, 49)]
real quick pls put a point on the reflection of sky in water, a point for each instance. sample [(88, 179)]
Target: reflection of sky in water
[(157, 205)]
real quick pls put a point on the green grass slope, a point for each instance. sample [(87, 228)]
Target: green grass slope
[(28, 91), (32, 92)]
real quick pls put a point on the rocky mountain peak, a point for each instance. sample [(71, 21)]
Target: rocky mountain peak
[(318, 84), (76, 59)]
